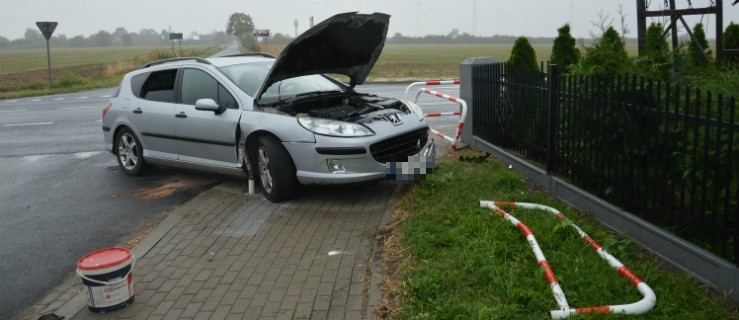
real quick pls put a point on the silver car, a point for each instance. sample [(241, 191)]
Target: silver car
[(282, 117)]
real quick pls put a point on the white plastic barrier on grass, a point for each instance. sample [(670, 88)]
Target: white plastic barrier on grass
[(462, 114), (642, 306)]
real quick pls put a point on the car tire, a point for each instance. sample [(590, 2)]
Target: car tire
[(275, 169), (130, 153)]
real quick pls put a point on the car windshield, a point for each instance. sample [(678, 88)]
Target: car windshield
[(250, 76)]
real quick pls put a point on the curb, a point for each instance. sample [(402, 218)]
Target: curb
[(375, 269)]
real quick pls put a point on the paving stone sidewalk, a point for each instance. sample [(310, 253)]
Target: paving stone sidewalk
[(227, 255)]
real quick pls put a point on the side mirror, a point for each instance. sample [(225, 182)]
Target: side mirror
[(206, 105)]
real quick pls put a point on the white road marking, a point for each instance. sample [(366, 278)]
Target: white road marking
[(27, 124), (75, 108), (100, 120), (83, 97), (9, 111), (58, 99), (11, 101), (35, 158), (107, 96), (86, 155), (35, 100)]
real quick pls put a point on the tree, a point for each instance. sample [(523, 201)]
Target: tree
[(127, 40), (240, 25), (696, 56), (101, 39), (77, 41), (147, 37), (60, 41), (656, 61), (4, 42), (120, 32), (564, 52), (656, 43), (33, 38), (731, 39), (523, 54), (607, 56)]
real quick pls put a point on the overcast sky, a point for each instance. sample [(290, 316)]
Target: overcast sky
[(409, 17)]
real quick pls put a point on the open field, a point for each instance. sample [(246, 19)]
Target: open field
[(442, 60), (23, 72)]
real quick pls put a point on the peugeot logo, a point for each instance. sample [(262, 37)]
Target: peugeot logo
[(393, 118)]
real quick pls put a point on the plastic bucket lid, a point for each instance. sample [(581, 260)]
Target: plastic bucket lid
[(104, 261)]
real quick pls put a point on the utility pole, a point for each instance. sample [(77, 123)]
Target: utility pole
[(474, 17), (295, 23), (715, 7), (418, 16)]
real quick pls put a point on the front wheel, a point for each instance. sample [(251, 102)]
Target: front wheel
[(276, 169), (130, 153)]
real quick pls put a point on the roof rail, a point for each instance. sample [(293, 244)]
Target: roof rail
[(198, 59), (266, 55)]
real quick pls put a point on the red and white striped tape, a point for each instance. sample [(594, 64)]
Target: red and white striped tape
[(642, 306), (441, 114), (462, 114), (430, 83)]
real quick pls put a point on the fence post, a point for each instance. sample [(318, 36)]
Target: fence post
[(552, 97), (467, 92)]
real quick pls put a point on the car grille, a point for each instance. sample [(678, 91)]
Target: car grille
[(398, 148)]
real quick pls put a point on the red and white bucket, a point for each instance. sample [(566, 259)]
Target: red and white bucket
[(107, 275)]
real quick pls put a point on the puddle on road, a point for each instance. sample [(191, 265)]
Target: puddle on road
[(171, 186)]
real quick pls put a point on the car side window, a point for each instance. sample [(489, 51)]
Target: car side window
[(197, 84), (159, 86)]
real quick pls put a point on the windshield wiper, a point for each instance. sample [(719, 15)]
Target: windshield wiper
[(317, 93)]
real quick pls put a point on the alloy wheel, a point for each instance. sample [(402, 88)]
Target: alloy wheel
[(128, 151), (264, 173)]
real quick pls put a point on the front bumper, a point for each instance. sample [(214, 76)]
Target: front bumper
[(416, 168), (313, 168)]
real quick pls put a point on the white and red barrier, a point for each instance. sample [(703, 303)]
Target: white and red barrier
[(430, 83), (642, 306), (462, 114)]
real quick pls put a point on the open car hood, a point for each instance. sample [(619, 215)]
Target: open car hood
[(347, 43)]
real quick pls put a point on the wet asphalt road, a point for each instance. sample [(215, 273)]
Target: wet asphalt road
[(62, 194)]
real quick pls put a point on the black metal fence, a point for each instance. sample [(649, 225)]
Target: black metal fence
[(666, 153)]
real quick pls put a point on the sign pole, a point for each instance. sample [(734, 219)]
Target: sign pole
[(47, 29), (48, 60), (176, 36)]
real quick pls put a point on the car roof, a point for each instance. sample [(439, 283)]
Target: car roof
[(214, 61), (227, 61)]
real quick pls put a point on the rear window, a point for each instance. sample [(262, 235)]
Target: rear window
[(159, 86)]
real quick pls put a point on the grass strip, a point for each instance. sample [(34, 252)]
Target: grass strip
[(24, 72), (450, 259)]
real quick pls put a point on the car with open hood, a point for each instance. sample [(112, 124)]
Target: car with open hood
[(284, 119)]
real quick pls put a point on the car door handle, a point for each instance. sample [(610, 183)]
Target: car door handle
[(181, 115), (138, 111)]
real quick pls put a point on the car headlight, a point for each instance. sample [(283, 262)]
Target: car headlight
[(334, 128), (415, 108)]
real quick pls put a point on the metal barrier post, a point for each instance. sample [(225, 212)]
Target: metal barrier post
[(462, 114)]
